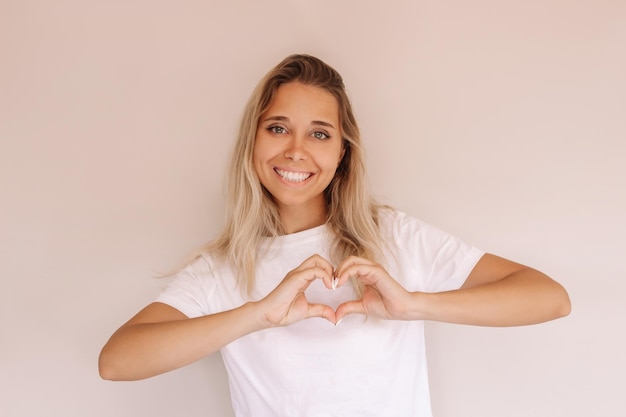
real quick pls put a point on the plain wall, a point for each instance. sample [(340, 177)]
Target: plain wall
[(501, 122)]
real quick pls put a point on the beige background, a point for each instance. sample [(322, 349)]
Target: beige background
[(500, 121)]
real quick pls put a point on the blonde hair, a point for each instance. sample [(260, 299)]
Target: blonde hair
[(252, 215)]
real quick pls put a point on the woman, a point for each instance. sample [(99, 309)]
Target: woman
[(305, 241)]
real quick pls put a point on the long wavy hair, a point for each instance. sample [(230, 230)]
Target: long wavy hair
[(252, 214)]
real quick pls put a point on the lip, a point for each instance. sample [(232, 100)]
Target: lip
[(293, 177)]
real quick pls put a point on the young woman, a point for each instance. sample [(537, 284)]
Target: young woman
[(314, 294)]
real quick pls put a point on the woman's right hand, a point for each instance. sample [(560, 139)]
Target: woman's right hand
[(160, 338), (287, 303)]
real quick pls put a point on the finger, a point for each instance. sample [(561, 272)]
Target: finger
[(321, 310), (349, 264), (316, 261), (352, 260), (318, 272), (349, 307), (300, 280), (364, 273)]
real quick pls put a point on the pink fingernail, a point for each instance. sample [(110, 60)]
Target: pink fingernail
[(334, 283), (337, 324)]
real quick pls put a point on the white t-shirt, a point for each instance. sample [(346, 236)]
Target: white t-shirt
[(362, 367)]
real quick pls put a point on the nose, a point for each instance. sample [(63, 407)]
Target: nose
[(295, 149)]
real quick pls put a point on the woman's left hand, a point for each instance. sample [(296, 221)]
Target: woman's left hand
[(382, 295), (497, 292)]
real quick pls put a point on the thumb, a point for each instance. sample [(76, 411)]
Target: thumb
[(349, 307), (321, 310)]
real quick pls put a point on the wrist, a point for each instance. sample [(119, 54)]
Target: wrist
[(420, 306), (256, 315)]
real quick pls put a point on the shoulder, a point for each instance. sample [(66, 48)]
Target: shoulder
[(200, 264), (389, 216), (396, 224), (202, 270), (199, 287), (410, 234), (438, 260)]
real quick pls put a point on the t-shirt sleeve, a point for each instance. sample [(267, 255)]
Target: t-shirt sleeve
[(441, 261), (191, 289)]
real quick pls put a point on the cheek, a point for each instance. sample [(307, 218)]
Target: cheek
[(262, 149), (258, 153), (334, 159), (257, 167), (261, 157)]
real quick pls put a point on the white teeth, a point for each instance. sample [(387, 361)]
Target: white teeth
[(293, 176)]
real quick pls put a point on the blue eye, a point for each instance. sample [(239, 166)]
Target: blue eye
[(279, 130), (320, 135)]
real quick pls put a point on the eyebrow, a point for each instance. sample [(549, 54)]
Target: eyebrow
[(286, 119)]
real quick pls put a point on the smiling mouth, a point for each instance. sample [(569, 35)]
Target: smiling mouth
[(293, 176)]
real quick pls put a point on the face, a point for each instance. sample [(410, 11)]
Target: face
[(298, 147)]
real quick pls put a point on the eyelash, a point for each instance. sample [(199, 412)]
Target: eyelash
[(279, 130), (325, 135), (275, 129)]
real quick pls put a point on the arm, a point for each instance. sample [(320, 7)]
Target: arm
[(160, 338), (498, 292)]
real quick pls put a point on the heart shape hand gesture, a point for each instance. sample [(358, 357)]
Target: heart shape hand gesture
[(382, 296)]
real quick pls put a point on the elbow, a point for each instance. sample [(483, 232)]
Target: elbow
[(563, 304), (106, 371), (106, 374), (107, 367)]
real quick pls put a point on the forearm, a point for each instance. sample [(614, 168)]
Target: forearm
[(141, 350), (523, 297)]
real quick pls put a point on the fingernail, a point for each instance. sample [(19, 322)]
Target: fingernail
[(337, 324), (334, 283)]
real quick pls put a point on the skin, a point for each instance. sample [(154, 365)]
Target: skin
[(498, 292), (299, 135)]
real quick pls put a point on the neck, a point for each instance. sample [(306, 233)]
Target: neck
[(297, 219)]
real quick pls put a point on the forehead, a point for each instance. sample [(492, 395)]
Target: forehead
[(297, 99)]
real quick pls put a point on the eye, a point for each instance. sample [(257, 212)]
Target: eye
[(320, 135), (279, 130)]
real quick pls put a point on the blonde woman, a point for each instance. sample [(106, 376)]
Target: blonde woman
[(314, 294)]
